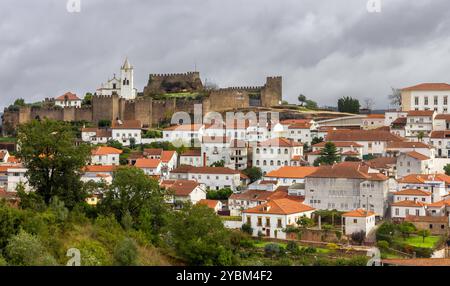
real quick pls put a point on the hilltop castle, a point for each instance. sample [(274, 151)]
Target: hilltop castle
[(163, 95)]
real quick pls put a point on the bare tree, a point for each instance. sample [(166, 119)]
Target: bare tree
[(369, 103), (395, 97)]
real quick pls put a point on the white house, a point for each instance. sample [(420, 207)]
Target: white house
[(373, 121), (289, 175), (395, 148), (151, 167), (273, 217), (68, 100), (239, 154), (192, 157), (413, 195), (300, 132), (358, 220), (185, 190), (123, 86), (441, 141), (214, 178), (98, 172), (373, 141), (426, 96), (413, 163), (96, 135), (419, 122), (184, 134), (274, 153), (216, 149), (15, 176), (127, 130), (105, 156), (391, 116), (437, 184), (401, 209), (169, 160), (215, 205)]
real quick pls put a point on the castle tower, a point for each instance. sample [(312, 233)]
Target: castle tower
[(127, 89)]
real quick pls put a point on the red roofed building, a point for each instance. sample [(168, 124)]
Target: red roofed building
[(68, 100), (413, 163), (215, 205), (192, 158), (151, 167), (105, 156), (184, 191), (373, 141), (273, 217), (126, 131), (419, 123), (358, 220), (274, 153), (215, 178), (426, 96), (347, 186)]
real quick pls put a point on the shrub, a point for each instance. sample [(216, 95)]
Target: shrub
[(292, 247), (272, 249), (359, 236), (93, 253), (125, 253), (332, 246), (383, 244), (246, 227)]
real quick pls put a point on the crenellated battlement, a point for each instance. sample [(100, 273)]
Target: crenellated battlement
[(162, 75)]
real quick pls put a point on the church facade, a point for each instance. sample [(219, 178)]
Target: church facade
[(123, 86)]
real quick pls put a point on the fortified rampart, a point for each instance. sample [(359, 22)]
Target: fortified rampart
[(151, 111)]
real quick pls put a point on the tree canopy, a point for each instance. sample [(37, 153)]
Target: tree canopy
[(348, 104), (328, 155)]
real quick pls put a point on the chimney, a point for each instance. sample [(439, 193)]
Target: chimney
[(204, 159)]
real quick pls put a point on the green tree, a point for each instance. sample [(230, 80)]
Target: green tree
[(222, 194), (348, 104), (115, 144), (395, 97), (302, 99), (87, 100), (104, 123), (54, 162), (359, 236), (126, 253), (447, 169), (424, 233), (420, 135), (310, 104), (25, 249), (406, 228), (254, 173), (19, 102), (328, 155), (220, 163), (132, 143), (205, 242), (139, 195), (316, 140)]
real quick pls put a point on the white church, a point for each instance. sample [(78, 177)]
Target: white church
[(123, 86)]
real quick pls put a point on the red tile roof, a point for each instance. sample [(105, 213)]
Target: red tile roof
[(445, 117), (421, 178), (212, 204), (439, 204), (412, 192), (215, 139), (126, 124), (382, 162), (338, 144), (417, 155), (102, 150), (279, 142), (98, 169), (428, 86), (283, 206), (68, 97), (420, 113), (166, 156), (440, 134), (418, 262), (180, 188), (185, 127), (408, 203), (406, 144), (358, 213), (348, 170), (192, 153), (362, 135), (153, 151), (294, 172), (147, 163)]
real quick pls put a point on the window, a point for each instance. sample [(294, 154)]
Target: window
[(435, 100), (355, 220), (249, 220), (445, 100), (397, 212), (267, 222), (279, 224), (416, 100), (426, 100), (259, 221), (417, 212)]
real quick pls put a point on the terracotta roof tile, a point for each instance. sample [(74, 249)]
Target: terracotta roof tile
[(279, 142), (338, 144), (412, 192), (166, 156), (406, 144), (428, 86), (295, 172), (103, 150), (280, 206), (205, 170), (212, 204), (408, 203), (180, 188), (192, 153), (68, 97), (358, 213), (147, 163), (417, 155), (420, 113), (362, 135)]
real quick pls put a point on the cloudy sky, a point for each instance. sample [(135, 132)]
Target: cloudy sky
[(324, 49)]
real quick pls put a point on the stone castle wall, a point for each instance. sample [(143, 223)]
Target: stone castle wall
[(149, 110), (162, 83)]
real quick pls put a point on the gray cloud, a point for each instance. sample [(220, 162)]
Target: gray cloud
[(324, 49)]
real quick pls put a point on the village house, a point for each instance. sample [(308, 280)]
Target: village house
[(391, 116), (393, 149), (441, 141), (398, 126), (300, 132), (289, 175), (271, 218), (151, 167), (68, 100), (271, 154), (426, 96), (13, 175), (385, 165), (437, 184), (413, 195), (437, 225), (215, 205), (344, 149), (96, 135), (413, 163), (347, 186), (184, 191), (215, 178), (373, 121), (184, 134), (419, 124), (239, 154), (402, 209), (358, 220), (216, 149), (192, 158), (127, 131), (374, 142), (98, 173), (441, 122), (105, 156)]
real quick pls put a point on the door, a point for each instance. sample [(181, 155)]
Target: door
[(267, 232)]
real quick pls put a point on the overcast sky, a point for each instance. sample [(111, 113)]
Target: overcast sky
[(324, 49)]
